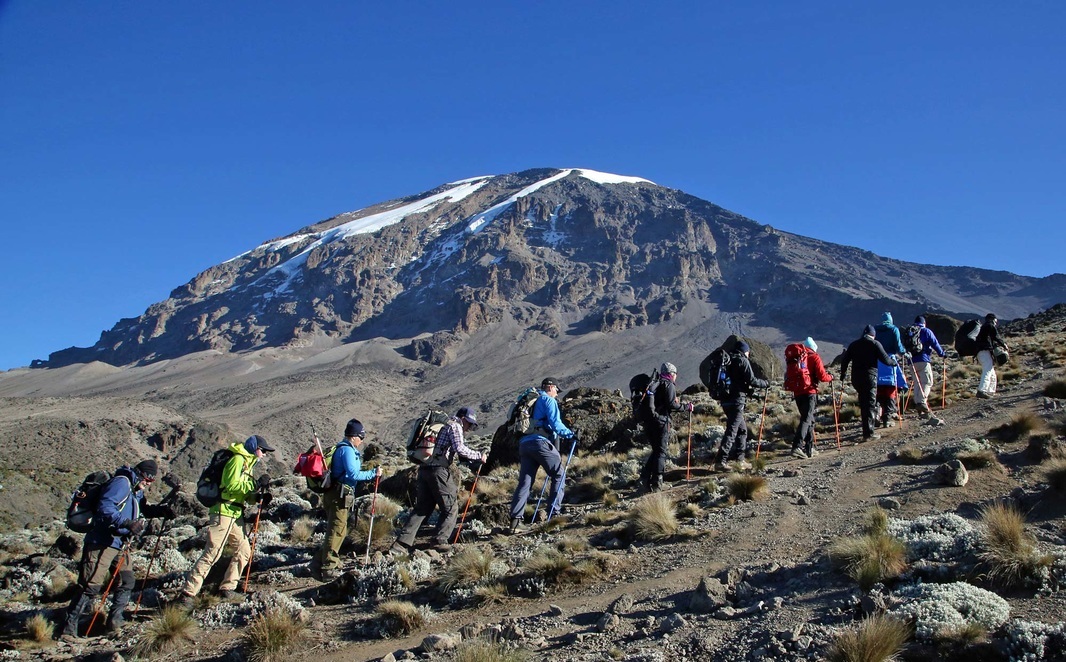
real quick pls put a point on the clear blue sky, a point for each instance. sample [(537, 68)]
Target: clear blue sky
[(142, 142)]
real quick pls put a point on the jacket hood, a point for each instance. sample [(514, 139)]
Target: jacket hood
[(239, 449)]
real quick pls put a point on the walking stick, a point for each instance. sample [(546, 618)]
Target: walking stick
[(103, 598), (762, 419), (370, 531), (540, 498), (944, 384), (562, 479), (836, 413), (175, 484), (688, 464), (469, 498), (255, 539)]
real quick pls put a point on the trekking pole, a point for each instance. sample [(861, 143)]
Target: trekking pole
[(562, 479), (836, 411), (688, 464), (762, 419), (944, 384), (370, 531), (469, 498), (103, 598), (255, 539), (540, 498), (175, 485)]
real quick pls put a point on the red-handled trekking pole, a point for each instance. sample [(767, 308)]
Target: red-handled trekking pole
[(469, 498), (255, 539), (836, 410), (762, 419), (103, 598), (688, 464), (373, 506), (944, 385)]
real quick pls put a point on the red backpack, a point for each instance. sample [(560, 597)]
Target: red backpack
[(797, 377)]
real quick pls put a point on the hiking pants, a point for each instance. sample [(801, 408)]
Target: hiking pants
[(886, 401), (866, 387), (222, 532), (805, 429), (651, 476), (434, 489), (736, 432), (338, 501), (95, 571), (988, 372), (923, 374), (534, 454)]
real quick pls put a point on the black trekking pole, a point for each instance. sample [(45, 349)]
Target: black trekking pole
[(562, 479), (543, 488), (175, 484)]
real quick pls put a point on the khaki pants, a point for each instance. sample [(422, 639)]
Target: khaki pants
[(338, 502), (221, 532), (923, 372)]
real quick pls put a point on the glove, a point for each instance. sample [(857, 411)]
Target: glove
[(264, 499), (379, 473), (134, 526), (264, 481), (689, 407), (159, 511)]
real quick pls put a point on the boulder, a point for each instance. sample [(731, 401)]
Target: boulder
[(952, 473), (710, 595)]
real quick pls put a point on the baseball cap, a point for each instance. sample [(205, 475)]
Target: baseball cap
[(467, 414)]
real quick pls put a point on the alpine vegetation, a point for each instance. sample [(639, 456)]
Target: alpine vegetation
[(1009, 551), (876, 639), (936, 608), (653, 518)]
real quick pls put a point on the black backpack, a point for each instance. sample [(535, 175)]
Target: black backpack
[(912, 339), (641, 393), (423, 440), (84, 500), (714, 373), (966, 338), (209, 485)]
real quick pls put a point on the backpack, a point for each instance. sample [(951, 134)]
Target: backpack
[(641, 393), (84, 500), (520, 418), (209, 485), (966, 338), (714, 373), (912, 339), (423, 440), (324, 480), (797, 376)]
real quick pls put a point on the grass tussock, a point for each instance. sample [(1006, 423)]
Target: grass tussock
[(759, 463), (272, 636), (876, 639), (466, 567), (689, 511), (302, 530), (910, 455), (490, 593), (611, 499), (1021, 425), (39, 628), (963, 636), (400, 618), (744, 487), (602, 518), (876, 522), (590, 487), (168, 631), (549, 564), (1055, 474), (982, 459), (869, 559), (1009, 551), (653, 518), (478, 650), (1055, 389), (383, 524), (571, 545)]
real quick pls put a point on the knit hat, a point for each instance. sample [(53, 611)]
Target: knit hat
[(810, 344), (255, 442), (354, 429), (886, 318), (147, 469), (920, 321), (869, 330), (991, 317), (743, 347), (668, 369), (467, 414)]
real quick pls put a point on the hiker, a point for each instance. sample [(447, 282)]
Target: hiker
[(226, 524), (659, 427), (987, 341), (865, 353), (742, 382), (539, 449), (805, 392), (923, 368), (345, 470), (888, 335), (891, 383), (105, 558), (437, 487)]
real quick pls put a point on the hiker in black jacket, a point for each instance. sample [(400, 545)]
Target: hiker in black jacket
[(742, 381), (864, 353), (659, 427), (987, 342)]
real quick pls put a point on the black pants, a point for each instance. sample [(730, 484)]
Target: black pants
[(436, 488), (867, 390), (805, 430), (659, 439), (736, 433)]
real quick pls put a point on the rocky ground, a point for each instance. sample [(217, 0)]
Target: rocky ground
[(735, 579)]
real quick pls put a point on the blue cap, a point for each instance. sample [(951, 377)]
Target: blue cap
[(742, 347), (255, 442)]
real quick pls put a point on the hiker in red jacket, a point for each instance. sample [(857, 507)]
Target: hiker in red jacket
[(804, 371)]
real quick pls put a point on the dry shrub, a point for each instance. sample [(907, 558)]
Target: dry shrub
[(1055, 389), (400, 618), (981, 459), (571, 545), (747, 487), (590, 487), (385, 512), (39, 628), (272, 636), (849, 413), (870, 559), (1009, 551), (490, 593), (910, 455), (876, 523), (1020, 426), (961, 637), (602, 518), (759, 463), (494, 490), (877, 639), (689, 511), (169, 630), (479, 650), (1055, 474), (653, 518), (611, 499), (302, 530), (466, 567), (549, 564)]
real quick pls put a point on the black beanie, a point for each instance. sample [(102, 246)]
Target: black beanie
[(354, 429), (147, 469)]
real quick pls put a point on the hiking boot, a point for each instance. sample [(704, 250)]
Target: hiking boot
[(442, 548), (811, 452), (743, 465), (984, 395), (721, 467), (870, 437), (796, 452), (398, 550), (516, 523), (228, 594)]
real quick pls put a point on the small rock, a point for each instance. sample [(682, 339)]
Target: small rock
[(803, 643), (471, 631), (726, 613), (622, 604), (933, 421), (439, 642), (777, 603), (607, 622), (802, 499), (872, 603), (555, 610), (708, 596), (952, 473), (672, 623), (889, 503), (791, 473), (389, 657)]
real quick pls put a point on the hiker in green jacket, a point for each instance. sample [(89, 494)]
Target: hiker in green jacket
[(226, 525)]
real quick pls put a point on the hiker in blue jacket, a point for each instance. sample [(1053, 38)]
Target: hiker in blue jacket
[(891, 384), (888, 335), (923, 368), (116, 519)]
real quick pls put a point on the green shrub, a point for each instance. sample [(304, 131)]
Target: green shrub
[(870, 559)]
